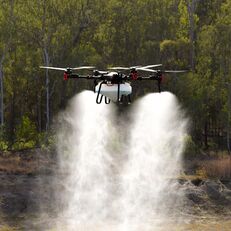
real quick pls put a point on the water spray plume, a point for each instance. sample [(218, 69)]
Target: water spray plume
[(127, 188), (85, 161), (149, 179)]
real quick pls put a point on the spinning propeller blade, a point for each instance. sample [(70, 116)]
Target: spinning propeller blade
[(146, 69), (103, 72), (135, 67), (54, 68), (151, 66), (174, 71), (83, 68), (119, 68), (66, 69)]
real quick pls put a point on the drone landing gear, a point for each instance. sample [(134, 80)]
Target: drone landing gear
[(159, 88), (121, 99), (125, 99), (107, 100), (159, 81), (99, 97)]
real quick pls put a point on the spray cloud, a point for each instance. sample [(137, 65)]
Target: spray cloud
[(135, 192)]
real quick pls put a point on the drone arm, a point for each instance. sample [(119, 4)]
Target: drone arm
[(153, 77), (73, 76), (89, 77)]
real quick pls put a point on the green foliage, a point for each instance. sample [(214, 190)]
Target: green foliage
[(26, 134), (3, 141), (176, 33), (175, 52), (191, 149)]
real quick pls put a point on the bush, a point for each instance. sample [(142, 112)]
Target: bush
[(3, 143), (191, 149), (26, 134)]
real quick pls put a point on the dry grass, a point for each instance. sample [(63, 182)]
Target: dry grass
[(15, 165), (24, 163), (217, 168), (207, 225), (7, 228), (204, 226)]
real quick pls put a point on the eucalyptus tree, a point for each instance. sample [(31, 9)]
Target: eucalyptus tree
[(212, 57), (7, 21), (223, 55), (41, 26)]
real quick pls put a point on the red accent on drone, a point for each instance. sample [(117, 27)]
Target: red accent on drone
[(134, 76), (65, 76)]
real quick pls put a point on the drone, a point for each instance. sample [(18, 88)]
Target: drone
[(115, 83)]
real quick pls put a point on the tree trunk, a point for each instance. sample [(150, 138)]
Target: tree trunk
[(206, 135), (1, 92), (39, 114), (228, 117), (12, 121), (191, 5), (6, 49), (1, 98), (47, 61)]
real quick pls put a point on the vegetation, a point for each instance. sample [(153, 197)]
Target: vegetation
[(181, 34), (217, 167)]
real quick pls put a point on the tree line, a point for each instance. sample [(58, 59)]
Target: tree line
[(180, 34)]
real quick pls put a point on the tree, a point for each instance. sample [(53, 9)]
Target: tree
[(6, 25)]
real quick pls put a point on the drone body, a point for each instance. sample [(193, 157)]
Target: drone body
[(112, 92), (115, 85)]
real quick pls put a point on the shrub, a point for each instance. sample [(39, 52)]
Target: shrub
[(3, 142), (26, 134), (191, 149)]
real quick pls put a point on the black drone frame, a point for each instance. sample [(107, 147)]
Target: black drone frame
[(118, 79)]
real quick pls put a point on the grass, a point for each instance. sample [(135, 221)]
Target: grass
[(213, 226), (7, 228), (217, 168), (15, 165), (25, 162), (205, 226), (215, 165)]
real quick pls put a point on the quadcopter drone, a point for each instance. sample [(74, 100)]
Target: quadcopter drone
[(115, 84)]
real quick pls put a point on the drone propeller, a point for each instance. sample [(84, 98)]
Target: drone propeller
[(151, 66), (83, 68), (54, 68), (135, 67), (123, 68), (119, 68), (162, 71), (68, 68), (146, 69), (174, 71), (103, 72)]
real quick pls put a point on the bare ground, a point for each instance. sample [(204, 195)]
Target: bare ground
[(27, 196)]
